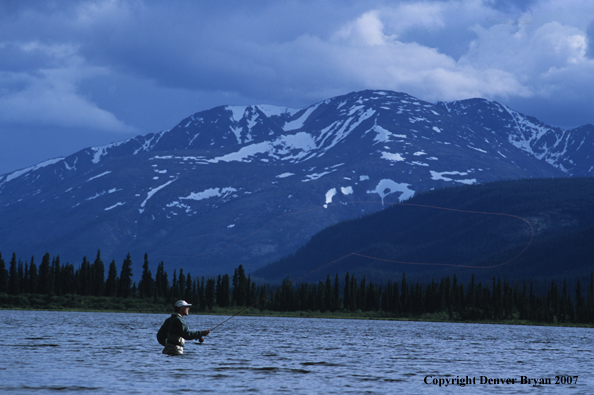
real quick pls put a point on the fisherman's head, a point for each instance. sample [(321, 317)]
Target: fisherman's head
[(181, 307)]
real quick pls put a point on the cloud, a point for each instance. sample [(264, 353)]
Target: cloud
[(590, 40), (39, 86), (285, 53), (50, 98)]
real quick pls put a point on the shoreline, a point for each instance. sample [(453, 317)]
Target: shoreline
[(228, 312)]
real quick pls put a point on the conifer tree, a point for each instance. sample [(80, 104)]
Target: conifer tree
[(225, 291), (45, 281), (83, 278), (97, 276), (161, 282), (23, 276), (201, 295), (328, 294), (404, 294), (181, 284), (146, 283), (111, 284), (354, 291), (189, 289), (209, 293), (580, 304), (239, 280), (125, 281), (57, 275), (590, 301), (3, 276), (33, 277), (336, 297), (67, 283), (361, 300), (396, 305), (346, 293), (174, 290), (14, 287), (261, 297)]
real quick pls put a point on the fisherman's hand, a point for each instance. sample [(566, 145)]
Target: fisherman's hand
[(205, 333)]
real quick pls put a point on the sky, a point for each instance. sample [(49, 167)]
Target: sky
[(78, 74)]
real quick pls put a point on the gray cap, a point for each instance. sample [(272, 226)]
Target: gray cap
[(181, 303)]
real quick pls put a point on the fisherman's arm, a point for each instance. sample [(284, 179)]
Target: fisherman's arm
[(184, 331)]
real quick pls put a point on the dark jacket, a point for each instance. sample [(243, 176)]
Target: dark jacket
[(173, 328)]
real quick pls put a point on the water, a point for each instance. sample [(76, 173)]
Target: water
[(66, 352)]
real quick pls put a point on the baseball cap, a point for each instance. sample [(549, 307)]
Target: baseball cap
[(181, 303)]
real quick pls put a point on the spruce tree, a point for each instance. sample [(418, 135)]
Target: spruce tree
[(209, 293), (347, 294), (68, 282), (57, 275), (181, 284), (3, 276), (161, 282), (33, 279), (111, 284), (23, 276), (173, 291), (45, 285), (14, 286), (98, 276), (590, 301), (125, 281), (146, 283), (223, 291), (83, 278)]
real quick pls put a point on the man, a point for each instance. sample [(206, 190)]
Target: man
[(174, 331)]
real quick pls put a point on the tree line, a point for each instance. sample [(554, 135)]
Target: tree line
[(446, 299)]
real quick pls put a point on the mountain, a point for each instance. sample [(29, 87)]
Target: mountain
[(569, 150), (537, 230), (250, 184)]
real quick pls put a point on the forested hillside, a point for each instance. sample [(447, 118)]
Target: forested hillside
[(537, 229)]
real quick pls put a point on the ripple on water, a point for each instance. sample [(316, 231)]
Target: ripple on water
[(117, 353)]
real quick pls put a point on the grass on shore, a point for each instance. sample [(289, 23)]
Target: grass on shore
[(139, 305)]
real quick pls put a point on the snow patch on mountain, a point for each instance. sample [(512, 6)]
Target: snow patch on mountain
[(329, 195), (101, 151), (276, 111), (382, 135), (299, 122), (210, 192), (392, 157), (21, 172), (151, 193), (99, 175), (114, 206), (315, 176), (440, 176), (386, 187)]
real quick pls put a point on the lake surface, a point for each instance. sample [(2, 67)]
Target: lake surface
[(66, 352)]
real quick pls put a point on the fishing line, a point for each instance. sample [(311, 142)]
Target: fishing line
[(382, 259)]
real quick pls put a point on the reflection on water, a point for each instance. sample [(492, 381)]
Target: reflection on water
[(48, 352)]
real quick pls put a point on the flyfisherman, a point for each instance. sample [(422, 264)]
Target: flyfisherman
[(174, 332)]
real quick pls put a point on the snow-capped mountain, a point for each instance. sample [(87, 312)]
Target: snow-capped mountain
[(249, 184)]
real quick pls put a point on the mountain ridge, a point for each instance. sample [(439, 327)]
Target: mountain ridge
[(223, 173)]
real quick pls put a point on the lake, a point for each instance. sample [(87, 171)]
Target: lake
[(67, 352)]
